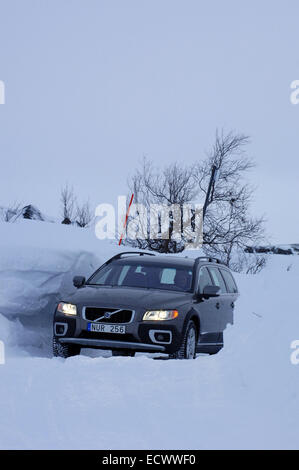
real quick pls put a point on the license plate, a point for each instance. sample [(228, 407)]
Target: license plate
[(106, 328)]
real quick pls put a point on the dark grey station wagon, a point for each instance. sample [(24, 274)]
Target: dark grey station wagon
[(137, 301)]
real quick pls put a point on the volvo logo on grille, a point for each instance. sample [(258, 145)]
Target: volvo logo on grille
[(107, 314)]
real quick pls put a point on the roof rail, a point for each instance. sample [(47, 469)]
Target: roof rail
[(119, 255), (210, 259)]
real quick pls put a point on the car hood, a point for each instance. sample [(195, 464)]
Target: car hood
[(128, 297)]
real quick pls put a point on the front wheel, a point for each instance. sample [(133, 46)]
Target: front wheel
[(188, 346), (65, 350)]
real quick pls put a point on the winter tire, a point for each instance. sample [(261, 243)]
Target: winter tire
[(188, 346), (65, 350)]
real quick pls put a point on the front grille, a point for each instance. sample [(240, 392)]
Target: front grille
[(112, 315)]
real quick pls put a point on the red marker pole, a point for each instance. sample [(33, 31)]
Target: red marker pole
[(127, 215)]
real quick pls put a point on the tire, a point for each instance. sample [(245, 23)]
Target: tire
[(123, 352), (188, 346), (65, 350)]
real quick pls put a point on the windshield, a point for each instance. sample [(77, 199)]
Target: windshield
[(132, 274)]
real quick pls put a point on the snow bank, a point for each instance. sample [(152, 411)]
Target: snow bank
[(246, 397), (37, 263)]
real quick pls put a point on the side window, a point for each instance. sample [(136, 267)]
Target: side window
[(102, 276), (229, 280), (204, 279), (218, 279)]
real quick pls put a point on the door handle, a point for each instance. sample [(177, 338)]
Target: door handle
[(218, 305), (232, 305)]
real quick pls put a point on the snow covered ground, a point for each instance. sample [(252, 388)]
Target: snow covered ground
[(247, 396)]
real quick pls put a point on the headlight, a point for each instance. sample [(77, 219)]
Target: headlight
[(67, 309), (160, 315)]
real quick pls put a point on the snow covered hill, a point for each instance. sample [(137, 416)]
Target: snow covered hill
[(244, 397)]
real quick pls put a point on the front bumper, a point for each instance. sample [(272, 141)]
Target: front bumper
[(106, 344), (140, 335)]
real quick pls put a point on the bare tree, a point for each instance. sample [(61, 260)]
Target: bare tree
[(173, 185), (228, 226), (84, 214), (255, 264), (10, 213), (68, 203)]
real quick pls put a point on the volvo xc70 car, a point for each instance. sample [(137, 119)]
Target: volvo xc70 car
[(139, 302)]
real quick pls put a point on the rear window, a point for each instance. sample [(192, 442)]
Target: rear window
[(229, 280)]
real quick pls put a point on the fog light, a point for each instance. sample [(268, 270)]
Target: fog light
[(60, 329), (161, 337)]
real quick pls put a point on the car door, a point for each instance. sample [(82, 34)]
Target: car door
[(223, 300), (206, 308), (232, 294)]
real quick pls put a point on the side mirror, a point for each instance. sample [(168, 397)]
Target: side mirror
[(211, 291), (79, 281)]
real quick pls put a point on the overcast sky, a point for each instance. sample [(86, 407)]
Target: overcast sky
[(93, 85)]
